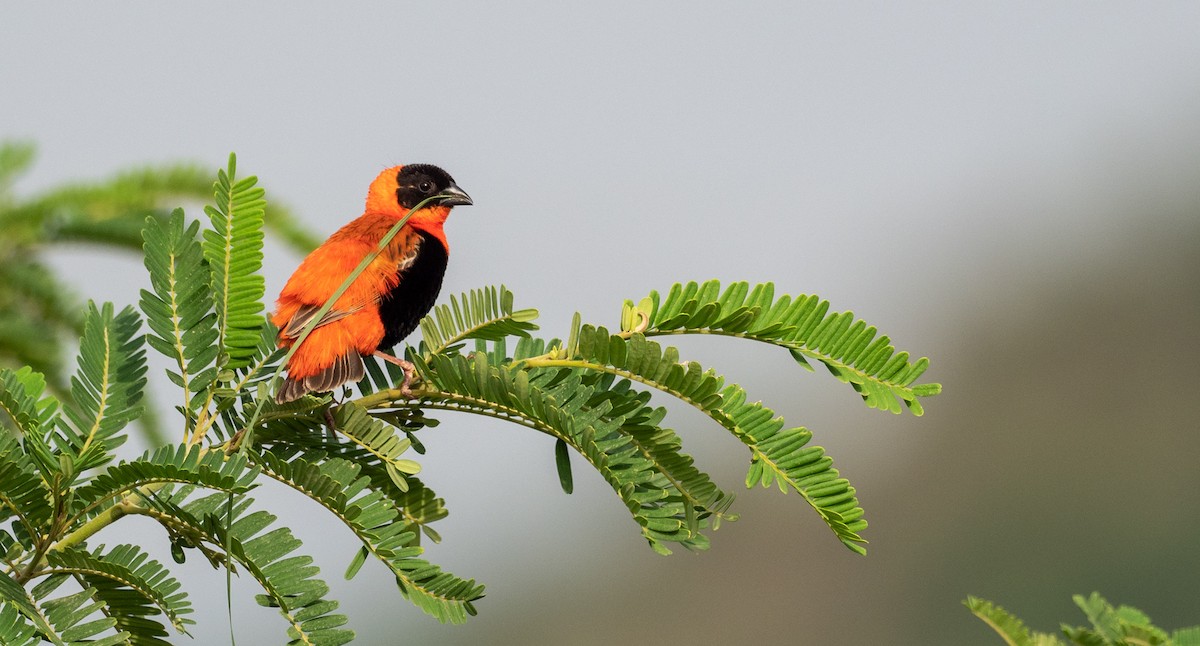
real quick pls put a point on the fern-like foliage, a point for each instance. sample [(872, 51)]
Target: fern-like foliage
[(1119, 626), (32, 417), (179, 310), (777, 454), (233, 536), (68, 616), (24, 496), (478, 314), (233, 248), (852, 350), (578, 391), (378, 439), (597, 395), (40, 311), (15, 597), (289, 580), (106, 389), (111, 211), (180, 464), (22, 402), (338, 485), (417, 505), (15, 629), (593, 414), (132, 585), (1011, 629)]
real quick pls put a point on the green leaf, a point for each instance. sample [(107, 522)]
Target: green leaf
[(179, 310), (408, 467), (32, 416), (338, 486), (133, 586), (106, 389), (66, 466), (111, 210), (17, 597), (375, 436), (602, 420), (417, 504), (71, 616), (777, 454), (233, 249), (485, 313), (288, 579), (1011, 629), (431, 533), (23, 493), (1122, 625), (852, 350), (15, 630), (562, 461), (356, 564), (1101, 615), (396, 476), (170, 464)]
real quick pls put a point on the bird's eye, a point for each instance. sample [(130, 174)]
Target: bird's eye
[(426, 187)]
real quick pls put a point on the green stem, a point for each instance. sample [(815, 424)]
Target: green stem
[(102, 520), (392, 395), (438, 400), (205, 420), (127, 505), (45, 542)]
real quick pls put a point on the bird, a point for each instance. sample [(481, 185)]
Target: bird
[(388, 299)]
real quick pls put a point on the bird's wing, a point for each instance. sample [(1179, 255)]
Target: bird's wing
[(320, 275), (324, 270), (305, 314), (346, 368)]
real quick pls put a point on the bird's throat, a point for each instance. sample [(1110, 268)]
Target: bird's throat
[(432, 221)]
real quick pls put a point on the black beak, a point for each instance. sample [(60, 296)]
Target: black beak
[(454, 196)]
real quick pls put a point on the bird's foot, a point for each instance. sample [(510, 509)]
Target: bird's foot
[(410, 371)]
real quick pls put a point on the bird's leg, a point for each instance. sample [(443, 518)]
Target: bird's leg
[(409, 369)]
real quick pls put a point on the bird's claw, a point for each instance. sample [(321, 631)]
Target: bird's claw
[(410, 372)]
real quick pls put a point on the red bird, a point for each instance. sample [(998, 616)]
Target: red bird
[(387, 300)]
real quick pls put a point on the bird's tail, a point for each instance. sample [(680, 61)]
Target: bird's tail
[(345, 369)]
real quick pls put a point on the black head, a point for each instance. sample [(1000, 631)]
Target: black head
[(415, 182)]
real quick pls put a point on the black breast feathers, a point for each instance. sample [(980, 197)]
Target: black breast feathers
[(403, 308)]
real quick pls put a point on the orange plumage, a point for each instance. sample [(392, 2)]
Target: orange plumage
[(387, 300)]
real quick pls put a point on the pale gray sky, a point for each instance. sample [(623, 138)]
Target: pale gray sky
[(914, 162)]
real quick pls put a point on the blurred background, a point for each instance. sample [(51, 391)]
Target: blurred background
[(1013, 191)]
